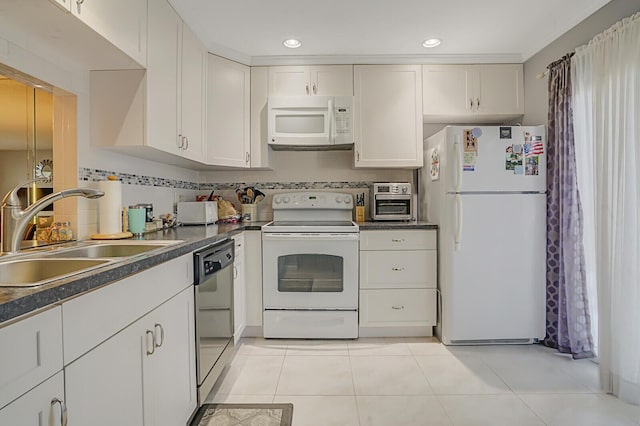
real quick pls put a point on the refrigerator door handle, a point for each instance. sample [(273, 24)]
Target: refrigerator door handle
[(458, 235), (458, 154)]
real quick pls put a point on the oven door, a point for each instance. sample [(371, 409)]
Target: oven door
[(391, 207), (310, 271)]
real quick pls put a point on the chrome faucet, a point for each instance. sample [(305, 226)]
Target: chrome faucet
[(15, 219)]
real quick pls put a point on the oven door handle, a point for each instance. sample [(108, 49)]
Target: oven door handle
[(309, 236)]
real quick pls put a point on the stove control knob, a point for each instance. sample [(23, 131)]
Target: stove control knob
[(404, 189), (338, 199), (277, 199), (285, 199), (347, 199)]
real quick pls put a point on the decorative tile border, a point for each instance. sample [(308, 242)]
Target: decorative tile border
[(94, 175)]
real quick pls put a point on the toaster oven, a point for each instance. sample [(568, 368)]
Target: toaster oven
[(391, 201)]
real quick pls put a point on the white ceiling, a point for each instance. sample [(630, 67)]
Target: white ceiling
[(381, 31)]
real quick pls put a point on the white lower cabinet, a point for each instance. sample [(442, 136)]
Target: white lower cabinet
[(398, 280), (144, 375), (253, 282), (239, 288), (41, 406)]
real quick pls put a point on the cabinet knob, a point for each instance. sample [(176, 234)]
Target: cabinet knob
[(477, 103), (470, 103), (79, 2), (315, 88), (186, 143), (397, 240), (63, 410), (398, 269), (398, 307), (306, 88)]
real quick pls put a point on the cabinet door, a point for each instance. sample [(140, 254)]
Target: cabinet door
[(228, 103), (36, 407), (105, 386), (499, 89), (169, 373), (331, 80), (253, 278), (289, 81), (194, 57), (447, 90), (388, 115), (165, 34), (122, 22), (239, 291), (259, 96), (31, 351)]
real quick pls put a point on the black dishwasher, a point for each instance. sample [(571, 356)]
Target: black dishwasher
[(213, 277)]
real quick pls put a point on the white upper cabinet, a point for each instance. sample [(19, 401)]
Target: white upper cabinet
[(228, 113), (321, 80), (122, 22), (260, 151), (388, 116), (472, 93), (163, 73), (192, 90)]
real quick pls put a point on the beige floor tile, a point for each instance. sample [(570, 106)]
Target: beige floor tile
[(450, 375), (322, 410), (388, 375), (318, 348), (251, 375), (221, 398), (316, 375), (583, 410), (373, 346), (259, 346), (411, 410), (488, 410)]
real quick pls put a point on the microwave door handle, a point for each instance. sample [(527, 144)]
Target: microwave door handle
[(332, 122)]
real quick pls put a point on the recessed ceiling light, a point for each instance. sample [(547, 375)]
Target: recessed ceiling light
[(292, 43), (431, 42)]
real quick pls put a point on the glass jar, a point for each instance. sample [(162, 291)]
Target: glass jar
[(54, 237)]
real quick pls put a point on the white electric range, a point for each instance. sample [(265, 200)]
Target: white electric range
[(310, 267)]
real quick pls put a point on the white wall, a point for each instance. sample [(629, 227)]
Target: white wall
[(535, 90)]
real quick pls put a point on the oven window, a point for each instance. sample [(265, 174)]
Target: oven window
[(393, 207), (299, 124), (310, 273)]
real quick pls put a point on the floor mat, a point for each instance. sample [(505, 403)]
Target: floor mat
[(244, 415)]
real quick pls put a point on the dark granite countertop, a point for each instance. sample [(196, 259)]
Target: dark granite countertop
[(374, 226), (17, 301)]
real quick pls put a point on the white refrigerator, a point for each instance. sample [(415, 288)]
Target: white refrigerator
[(485, 187)]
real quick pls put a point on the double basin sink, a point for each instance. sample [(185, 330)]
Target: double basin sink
[(36, 269)]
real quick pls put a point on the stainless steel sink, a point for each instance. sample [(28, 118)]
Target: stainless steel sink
[(35, 272), (100, 250)]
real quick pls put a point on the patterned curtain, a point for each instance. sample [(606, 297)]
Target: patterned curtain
[(568, 319)]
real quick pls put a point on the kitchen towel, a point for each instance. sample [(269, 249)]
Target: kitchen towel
[(110, 207)]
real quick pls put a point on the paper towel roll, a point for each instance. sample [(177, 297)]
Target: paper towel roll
[(110, 207)]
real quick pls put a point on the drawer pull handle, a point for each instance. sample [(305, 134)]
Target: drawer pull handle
[(398, 307), (153, 342), (63, 410), (398, 240), (397, 269)]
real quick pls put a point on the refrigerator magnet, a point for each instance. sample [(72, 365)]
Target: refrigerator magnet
[(518, 170), (470, 141), (531, 166), (434, 170), (477, 132), (470, 161), (512, 159), (505, 132)]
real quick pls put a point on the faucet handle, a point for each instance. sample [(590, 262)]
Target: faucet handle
[(11, 199)]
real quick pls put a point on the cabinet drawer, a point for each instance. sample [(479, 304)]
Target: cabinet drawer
[(394, 239), (90, 319), (412, 307), (36, 407), (31, 353), (398, 269)]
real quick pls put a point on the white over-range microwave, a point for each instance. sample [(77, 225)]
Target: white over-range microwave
[(310, 122)]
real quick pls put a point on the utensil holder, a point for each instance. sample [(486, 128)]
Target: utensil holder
[(249, 212), (359, 213)]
